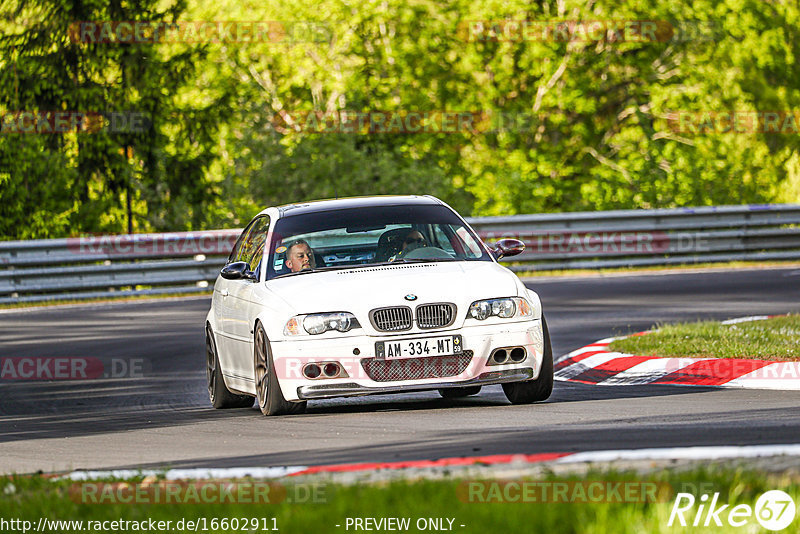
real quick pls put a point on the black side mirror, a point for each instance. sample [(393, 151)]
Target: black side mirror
[(238, 270), (507, 247)]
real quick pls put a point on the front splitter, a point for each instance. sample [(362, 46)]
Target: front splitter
[(352, 389)]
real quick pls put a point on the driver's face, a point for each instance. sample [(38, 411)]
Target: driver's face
[(412, 238), (299, 258)]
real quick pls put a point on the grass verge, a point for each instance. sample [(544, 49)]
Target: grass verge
[(771, 339), (533, 505)]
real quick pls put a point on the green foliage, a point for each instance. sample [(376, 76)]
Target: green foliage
[(311, 505), (594, 131), (100, 181)]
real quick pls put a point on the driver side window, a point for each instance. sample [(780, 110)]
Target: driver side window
[(237, 247), (252, 246), (249, 248)]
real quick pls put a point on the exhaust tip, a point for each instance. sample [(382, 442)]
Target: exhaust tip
[(499, 356), (311, 370), (330, 369), (517, 354)]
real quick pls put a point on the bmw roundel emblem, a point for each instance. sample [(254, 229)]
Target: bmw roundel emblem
[(410, 296)]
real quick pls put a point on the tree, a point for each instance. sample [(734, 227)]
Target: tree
[(122, 177)]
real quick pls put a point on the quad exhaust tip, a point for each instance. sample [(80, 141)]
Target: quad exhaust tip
[(507, 355), (499, 356), (330, 369), (313, 371)]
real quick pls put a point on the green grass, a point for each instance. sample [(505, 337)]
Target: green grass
[(35, 497), (772, 339)]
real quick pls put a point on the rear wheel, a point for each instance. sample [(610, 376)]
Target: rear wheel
[(218, 393), (457, 393), (268, 391), (539, 389)]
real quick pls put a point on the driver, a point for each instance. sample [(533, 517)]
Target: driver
[(413, 240), (299, 256)]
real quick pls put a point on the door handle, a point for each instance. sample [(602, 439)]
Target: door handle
[(224, 292)]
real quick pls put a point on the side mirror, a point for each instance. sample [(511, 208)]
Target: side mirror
[(238, 270), (507, 247)]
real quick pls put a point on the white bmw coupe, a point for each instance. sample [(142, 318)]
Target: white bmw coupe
[(370, 295)]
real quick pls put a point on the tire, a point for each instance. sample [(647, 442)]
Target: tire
[(268, 391), (457, 393), (539, 389), (218, 393)]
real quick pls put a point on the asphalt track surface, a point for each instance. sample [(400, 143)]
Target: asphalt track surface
[(163, 418)]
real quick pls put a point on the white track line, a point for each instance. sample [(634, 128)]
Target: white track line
[(746, 319), (197, 473), (668, 453), (682, 453)]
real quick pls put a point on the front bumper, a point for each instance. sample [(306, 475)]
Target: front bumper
[(290, 356), (352, 389)]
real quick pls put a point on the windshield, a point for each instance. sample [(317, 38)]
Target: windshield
[(345, 238)]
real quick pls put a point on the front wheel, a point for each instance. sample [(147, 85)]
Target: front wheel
[(539, 389), (218, 393), (268, 391)]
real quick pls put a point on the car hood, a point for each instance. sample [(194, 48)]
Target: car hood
[(360, 290)]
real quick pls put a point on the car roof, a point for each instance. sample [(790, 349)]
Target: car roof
[(304, 208)]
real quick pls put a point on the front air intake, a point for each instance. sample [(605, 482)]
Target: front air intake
[(416, 368)]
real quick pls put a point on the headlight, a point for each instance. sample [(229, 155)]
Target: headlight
[(505, 308), (319, 323)]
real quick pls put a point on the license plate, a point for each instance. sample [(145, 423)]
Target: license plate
[(418, 347)]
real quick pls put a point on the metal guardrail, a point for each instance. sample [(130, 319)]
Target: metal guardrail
[(188, 262), (594, 240)]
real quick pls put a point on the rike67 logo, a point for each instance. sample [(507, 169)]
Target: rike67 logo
[(774, 510)]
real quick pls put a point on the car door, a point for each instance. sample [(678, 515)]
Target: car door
[(224, 307), (240, 297)]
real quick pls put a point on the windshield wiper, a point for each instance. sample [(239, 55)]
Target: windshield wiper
[(368, 265), (422, 260), (404, 260), (317, 270)]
